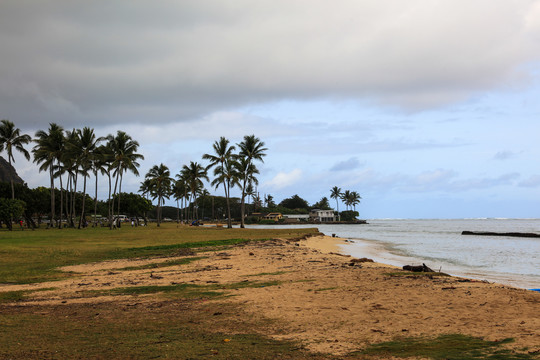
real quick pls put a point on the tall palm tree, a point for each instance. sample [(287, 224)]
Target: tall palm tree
[(355, 199), (145, 189), (11, 138), (160, 180), (47, 152), (346, 198), (223, 163), (100, 165), (82, 147), (335, 193), (194, 174), (179, 191), (125, 158), (251, 149)]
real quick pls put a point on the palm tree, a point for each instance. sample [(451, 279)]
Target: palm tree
[(124, 158), (346, 198), (11, 138), (355, 199), (145, 189), (160, 186), (223, 161), (82, 148), (194, 174), (47, 152), (269, 200), (335, 193), (251, 149), (100, 165), (178, 191)]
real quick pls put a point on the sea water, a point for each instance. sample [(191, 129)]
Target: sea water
[(439, 244)]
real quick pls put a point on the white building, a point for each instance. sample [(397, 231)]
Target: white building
[(322, 215)]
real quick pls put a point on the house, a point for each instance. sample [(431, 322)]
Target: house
[(273, 216), (322, 215)]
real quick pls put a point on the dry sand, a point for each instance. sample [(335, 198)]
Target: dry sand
[(323, 301)]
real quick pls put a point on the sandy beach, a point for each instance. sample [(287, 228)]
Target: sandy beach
[(329, 302)]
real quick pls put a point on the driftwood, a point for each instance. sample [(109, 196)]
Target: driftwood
[(420, 268), (512, 234)]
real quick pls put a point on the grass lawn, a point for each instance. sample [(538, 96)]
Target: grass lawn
[(34, 256)]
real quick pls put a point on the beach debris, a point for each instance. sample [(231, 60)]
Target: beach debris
[(362, 260), (419, 268)]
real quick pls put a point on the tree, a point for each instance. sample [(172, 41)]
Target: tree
[(322, 204), (179, 191), (48, 152), (82, 147), (223, 161), (125, 158), (193, 175), (160, 180), (251, 149), (335, 193), (11, 138), (355, 199), (101, 162), (269, 200), (295, 202), (11, 209)]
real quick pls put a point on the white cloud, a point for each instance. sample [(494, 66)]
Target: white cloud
[(283, 179)]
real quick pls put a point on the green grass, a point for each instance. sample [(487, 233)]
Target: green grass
[(20, 295), (446, 347), (35, 256), (107, 331), (183, 291)]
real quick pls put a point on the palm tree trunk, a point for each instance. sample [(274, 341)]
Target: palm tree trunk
[(83, 214), (112, 201), (95, 202), (228, 199), (243, 204), (51, 220), (61, 201)]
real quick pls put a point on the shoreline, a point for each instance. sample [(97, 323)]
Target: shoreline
[(370, 248)]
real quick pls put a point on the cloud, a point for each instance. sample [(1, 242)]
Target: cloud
[(531, 182), (346, 165), (283, 180), (505, 155), (135, 62)]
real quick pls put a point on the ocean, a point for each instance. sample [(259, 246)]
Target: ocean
[(439, 244)]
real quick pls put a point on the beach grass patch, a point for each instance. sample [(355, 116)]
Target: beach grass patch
[(158, 265), (446, 347), (183, 291), (169, 329), (19, 295)]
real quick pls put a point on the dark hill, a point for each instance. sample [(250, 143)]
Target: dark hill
[(7, 172)]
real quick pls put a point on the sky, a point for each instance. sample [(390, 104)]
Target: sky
[(427, 108)]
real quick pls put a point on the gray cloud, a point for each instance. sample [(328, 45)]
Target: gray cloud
[(504, 155), (347, 165), (77, 62)]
